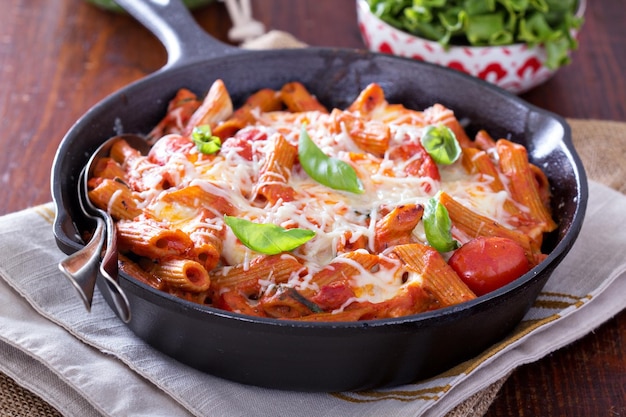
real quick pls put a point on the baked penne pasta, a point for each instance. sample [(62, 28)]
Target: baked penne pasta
[(250, 278), (265, 100), (116, 198), (370, 136), (472, 225), (297, 98), (198, 197), (207, 239), (524, 186), (484, 141), (298, 212), (183, 274), (437, 277), (275, 172), (396, 228), (179, 111), (149, 239), (478, 162), (216, 107)]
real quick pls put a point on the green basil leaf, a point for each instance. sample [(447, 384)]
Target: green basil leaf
[(267, 238), (437, 226), (204, 139), (441, 144), (331, 172)]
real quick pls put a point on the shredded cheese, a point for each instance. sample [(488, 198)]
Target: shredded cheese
[(338, 218)]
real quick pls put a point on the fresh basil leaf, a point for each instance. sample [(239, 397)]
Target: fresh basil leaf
[(205, 141), (437, 226), (267, 238), (441, 144), (331, 172)]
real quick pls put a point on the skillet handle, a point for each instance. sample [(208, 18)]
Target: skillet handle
[(172, 23)]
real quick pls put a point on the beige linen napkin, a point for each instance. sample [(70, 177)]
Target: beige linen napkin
[(88, 364)]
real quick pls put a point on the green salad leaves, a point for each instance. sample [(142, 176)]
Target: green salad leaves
[(488, 22)]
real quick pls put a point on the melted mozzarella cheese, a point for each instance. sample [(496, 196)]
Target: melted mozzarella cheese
[(337, 217)]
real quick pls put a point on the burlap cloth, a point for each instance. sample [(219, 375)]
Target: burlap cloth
[(601, 145)]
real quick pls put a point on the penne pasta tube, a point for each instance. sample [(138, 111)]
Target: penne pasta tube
[(108, 168), (476, 161), (246, 278), (370, 99), (236, 302), (474, 225), (134, 270), (371, 136), (344, 266), (543, 186), (207, 244), (179, 111), (115, 198), (183, 274), (201, 297), (124, 154), (524, 188), (484, 141), (198, 196), (412, 299), (371, 103), (298, 99), (215, 108), (397, 226), (286, 303), (148, 239), (276, 171), (264, 100), (438, 278)]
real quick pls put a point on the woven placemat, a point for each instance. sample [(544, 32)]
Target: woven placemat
[(601, 146), (16, 401)]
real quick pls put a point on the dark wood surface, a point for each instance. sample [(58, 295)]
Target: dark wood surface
[(58, 58)]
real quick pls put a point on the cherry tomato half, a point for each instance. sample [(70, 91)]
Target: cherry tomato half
[(488, 263)]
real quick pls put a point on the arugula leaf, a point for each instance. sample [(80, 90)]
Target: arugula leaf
[(267, 238), (437, 226), (331, 172), (441, 144), (204, 139)]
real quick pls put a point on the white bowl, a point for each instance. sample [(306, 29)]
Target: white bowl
[(516, 67)]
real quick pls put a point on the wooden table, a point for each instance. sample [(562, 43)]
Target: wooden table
[(58, 58)]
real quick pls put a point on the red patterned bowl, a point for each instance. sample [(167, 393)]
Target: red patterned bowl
[(516, 67)]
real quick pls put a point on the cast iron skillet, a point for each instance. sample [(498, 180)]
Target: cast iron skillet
[(318, 356)]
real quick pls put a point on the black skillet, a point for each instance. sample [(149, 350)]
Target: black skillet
[(318, 356)]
